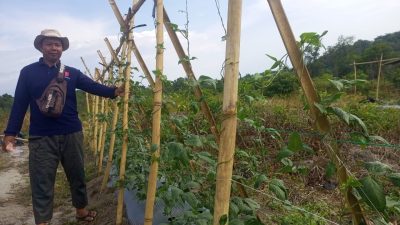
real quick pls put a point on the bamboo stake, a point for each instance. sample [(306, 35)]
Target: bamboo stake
[(379, 78), (355, 77), (96, 121), (87, 69), (228, 130), (125, 125), (112, 52), (187, 66), (103, 129), (321, 120), (156, 125), (117, 14), (114, 120), (91, 120), (142, 64)]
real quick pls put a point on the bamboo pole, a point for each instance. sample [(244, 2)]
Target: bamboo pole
[(142, 64), (228, 130), (377, 61), (124, 124), (187, 66), (96, 121), (355, 77), (105, 108), (379, 78), (115, 111), (322, 122), (112, 52), (91, 119), (117, 14), (156, 124)]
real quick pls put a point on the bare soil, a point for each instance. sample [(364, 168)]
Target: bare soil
[(15, 200)]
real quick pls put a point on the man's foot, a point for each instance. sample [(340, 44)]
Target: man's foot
[(87, 216)]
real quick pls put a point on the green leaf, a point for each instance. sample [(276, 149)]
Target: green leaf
[(321, 108), (249, 98), (284, 153), (372, 193), (236, 222), (343, 115), (338, 85), (378, 138), (261, 178), (330, 170), (205, 156), (251, 203), (233, 209), (395, 178), (191, 199), (223, 220), (277, 187), (377, 167), (380, 221), (205, 81), (328, 100), (359, 122), (311, 38), (295, 144), (194, 140)]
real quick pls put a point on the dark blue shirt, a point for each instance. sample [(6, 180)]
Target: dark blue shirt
[(32, 81)]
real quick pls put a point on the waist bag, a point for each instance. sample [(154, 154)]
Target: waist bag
[(52, 101)]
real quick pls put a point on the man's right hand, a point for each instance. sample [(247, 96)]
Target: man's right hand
[(8, 143)]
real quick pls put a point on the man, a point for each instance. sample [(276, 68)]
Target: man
[(53, 140)]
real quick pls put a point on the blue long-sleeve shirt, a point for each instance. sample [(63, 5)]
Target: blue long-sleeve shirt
[(32, 81)]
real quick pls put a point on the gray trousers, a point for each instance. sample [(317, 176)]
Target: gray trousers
[(45, 153)]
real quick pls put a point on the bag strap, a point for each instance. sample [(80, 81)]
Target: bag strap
[(60, 75)]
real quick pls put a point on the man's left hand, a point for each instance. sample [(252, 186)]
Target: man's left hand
[(119, 91)]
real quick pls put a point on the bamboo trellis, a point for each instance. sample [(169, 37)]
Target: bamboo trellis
[(156, 124), (321, 120), (228, 134)]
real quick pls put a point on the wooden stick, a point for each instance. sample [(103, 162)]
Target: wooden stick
[(377, 61), (379, 78), (112, 52), (187, 66), (117, 14), (105, 109), (142, 64), (113, 125), (355, 77), (229, 109), (87, 69), (156, 125), (125, 127), (321, 121)]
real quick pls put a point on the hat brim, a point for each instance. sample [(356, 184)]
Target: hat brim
[(38, 42)]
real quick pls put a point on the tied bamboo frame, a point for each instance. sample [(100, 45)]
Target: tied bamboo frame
[(321, 120), (228, 130), (105, 109), (114, 119), (156, 125), (124, 122)]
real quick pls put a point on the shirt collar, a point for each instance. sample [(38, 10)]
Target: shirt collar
[(41, 62)]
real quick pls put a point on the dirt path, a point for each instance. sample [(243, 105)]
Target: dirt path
[(12, 179), (16, 209)]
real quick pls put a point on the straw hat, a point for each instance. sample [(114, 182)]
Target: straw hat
[(46, 33)]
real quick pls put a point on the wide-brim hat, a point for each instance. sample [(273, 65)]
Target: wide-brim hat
[(50, 33)]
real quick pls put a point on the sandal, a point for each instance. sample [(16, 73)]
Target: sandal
[(90, 216)]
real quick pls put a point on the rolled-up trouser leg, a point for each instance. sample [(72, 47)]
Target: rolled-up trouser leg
[(43, 162), (73, 163)]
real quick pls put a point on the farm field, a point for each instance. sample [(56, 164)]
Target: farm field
[(312, 139)]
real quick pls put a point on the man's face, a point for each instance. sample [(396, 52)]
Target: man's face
[(52, 49)]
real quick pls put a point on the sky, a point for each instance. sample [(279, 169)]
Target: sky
[(87, 22)]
